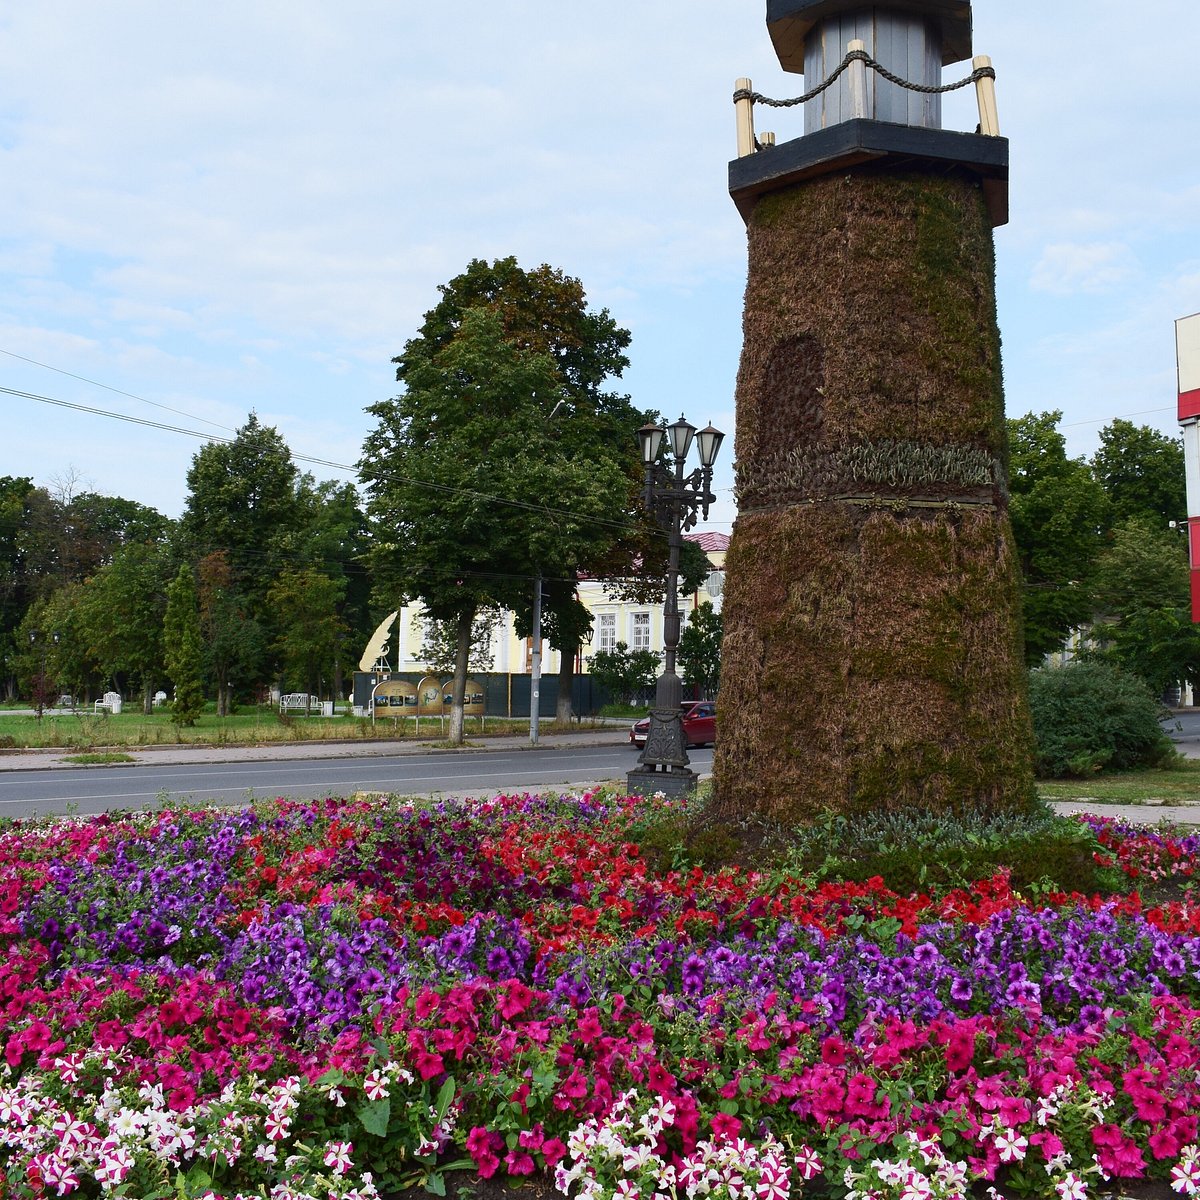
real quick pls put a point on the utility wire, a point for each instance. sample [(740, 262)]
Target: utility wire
[(116, 391), (526, 505)]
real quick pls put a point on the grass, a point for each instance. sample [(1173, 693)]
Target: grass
[(1175, 784), (100, 759), (87, 731)]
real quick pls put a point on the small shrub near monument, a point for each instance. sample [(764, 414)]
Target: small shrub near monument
[(1092, 716)]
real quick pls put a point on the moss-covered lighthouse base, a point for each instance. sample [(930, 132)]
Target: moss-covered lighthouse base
[(872, 656)]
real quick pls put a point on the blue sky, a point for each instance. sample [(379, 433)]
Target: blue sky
[(216, 207)]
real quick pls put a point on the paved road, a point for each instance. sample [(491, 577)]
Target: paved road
[(40, 784)]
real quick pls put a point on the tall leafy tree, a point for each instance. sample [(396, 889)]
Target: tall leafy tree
[(1143, 616), (312, 635), (1142, 473), (183, 650), (700, 650), (242, 502), (122, 614), (234, 643), (332, 537), (542, 310), (1060, 518), (503, 460)]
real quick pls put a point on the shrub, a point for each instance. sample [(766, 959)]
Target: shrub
[(911, 851), (1088, 716)]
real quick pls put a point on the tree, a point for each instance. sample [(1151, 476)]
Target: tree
[(1142, 473), (544, 311), (311, 634), (472, 493), (183, 651), (439, 646), (122, 615), (332, 537), (700, 650), (1060, 517), (234, 643), (242, 501), (625, 674), (1143, 616)]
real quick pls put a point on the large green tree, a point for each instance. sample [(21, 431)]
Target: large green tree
[(1142, 473), (545, 311), (242, 502), (234, 642), (312, 635), (183, 650), (122, 614), (1060, 518), (1143, 617), (504, 460), (700, 650)]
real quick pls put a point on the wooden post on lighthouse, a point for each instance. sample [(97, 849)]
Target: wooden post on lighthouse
[(872, 655)]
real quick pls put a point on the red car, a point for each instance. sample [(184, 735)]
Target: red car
[(699, 724)]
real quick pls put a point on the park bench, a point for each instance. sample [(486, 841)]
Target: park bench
[(111, 703)]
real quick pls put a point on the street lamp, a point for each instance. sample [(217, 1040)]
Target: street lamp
[(675, 501)]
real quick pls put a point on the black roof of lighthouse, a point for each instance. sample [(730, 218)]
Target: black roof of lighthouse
[(790, 22)]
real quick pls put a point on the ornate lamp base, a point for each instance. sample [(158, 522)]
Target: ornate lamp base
[(664, 764)]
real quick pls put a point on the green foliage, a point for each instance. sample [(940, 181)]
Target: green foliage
[(122, 613), (234, 642), (474, 485), (439, 646), (311, 634), (1060, 515), (184, 654), (1143, 609), (914, 851), (241, 502), (911, 851), (1141, 471), (699, 651), (1092, 715), (625, 673)]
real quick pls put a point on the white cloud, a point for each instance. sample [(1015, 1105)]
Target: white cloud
[(1069, 268)]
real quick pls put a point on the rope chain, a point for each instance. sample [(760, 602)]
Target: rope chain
[(876, 66)]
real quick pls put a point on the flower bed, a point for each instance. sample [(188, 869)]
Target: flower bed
[(346, 999)]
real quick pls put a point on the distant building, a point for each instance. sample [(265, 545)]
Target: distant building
[(639, 626)]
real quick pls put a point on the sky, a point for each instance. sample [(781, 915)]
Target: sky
[(210, 208)]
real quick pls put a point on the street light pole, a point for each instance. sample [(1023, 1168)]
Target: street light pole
[(675, 501), (535, 663)]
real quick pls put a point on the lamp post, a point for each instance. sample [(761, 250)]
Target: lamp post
[(675, 500)]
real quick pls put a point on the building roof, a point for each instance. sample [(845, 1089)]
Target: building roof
[(710, 541)]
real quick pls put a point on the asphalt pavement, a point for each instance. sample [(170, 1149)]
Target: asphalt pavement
[(1187, 740)]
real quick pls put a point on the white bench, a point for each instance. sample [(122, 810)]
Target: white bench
[(111, 703), (294, 701)]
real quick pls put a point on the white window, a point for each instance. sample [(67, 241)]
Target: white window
[(641, 631), (608, 632)]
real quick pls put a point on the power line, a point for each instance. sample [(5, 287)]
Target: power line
[(525, 505), (116, 391)]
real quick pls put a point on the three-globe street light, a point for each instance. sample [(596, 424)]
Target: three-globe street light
[(675, 501)]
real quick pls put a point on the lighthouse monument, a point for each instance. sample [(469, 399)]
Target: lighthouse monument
[(872, 656)]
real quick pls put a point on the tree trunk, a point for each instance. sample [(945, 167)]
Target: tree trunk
[(462, 658), (566, 678), (872, 657), (147, 697)]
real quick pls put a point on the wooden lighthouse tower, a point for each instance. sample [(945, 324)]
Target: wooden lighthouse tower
[(872, 654)]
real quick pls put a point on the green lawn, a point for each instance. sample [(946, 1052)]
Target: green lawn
[(85, 730), (1176, 784)]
